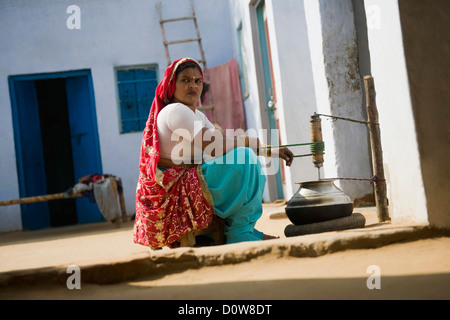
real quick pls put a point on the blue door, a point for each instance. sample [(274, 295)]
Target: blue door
[(84, 140), (29, 153), (32, 143)]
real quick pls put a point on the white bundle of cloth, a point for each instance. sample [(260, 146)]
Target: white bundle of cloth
[(107, 199)]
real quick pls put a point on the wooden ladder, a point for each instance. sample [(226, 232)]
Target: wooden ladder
[(198, 39)]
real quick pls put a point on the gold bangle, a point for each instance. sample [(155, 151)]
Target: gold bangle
[(265, 150)]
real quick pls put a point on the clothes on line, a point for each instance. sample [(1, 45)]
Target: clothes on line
[(227, 97), (99, 188)]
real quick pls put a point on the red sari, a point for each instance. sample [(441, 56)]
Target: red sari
[(172, 203)]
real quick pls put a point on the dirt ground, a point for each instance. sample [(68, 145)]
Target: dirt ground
[(412, 269)]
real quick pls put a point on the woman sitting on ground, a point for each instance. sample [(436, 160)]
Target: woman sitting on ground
[(183, 183)]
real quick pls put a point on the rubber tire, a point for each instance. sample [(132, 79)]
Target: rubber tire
[(356, 220)]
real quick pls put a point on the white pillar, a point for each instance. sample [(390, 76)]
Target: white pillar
[(406, 193), (337, 82)]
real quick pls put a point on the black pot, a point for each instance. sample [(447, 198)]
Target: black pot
[(318, 201)]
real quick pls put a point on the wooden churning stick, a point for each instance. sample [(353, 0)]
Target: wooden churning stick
[(317, 145), (316, 138)]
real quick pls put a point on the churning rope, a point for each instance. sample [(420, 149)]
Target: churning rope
[(315, 147)]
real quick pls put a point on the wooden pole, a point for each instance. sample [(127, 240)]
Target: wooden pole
[(377, 152), (48, 197), (122, 203)]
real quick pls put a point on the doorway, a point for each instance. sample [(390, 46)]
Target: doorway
[(267, 90), (56, 148), (56, 140)]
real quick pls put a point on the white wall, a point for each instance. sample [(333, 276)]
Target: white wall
[(402, 168), (294, 84), (293, 80), (35, 39), (10, 218), (334, 57)]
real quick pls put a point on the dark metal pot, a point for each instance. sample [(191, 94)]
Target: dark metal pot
[(317, 201)]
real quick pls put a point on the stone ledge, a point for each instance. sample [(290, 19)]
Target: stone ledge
[(160, 262)]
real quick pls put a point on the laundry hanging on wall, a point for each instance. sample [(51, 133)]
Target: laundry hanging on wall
[(227, 97)]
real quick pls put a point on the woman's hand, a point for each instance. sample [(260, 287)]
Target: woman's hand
[(283, 153), (286, 155)]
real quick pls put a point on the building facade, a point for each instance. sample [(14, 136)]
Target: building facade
[(296, 58), (86, 73), (318, 53)]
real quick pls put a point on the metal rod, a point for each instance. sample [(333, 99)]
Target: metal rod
[(346, 119), (290, 145)]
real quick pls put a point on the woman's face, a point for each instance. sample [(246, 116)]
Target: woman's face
[(188, 87)]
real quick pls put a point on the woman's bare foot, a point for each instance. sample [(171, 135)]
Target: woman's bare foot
[(269, 237)]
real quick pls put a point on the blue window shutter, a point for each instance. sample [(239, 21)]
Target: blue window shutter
[(128, 100), (146, 92), (136, 92)]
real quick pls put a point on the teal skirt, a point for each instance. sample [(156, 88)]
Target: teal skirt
[(236, 183)]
